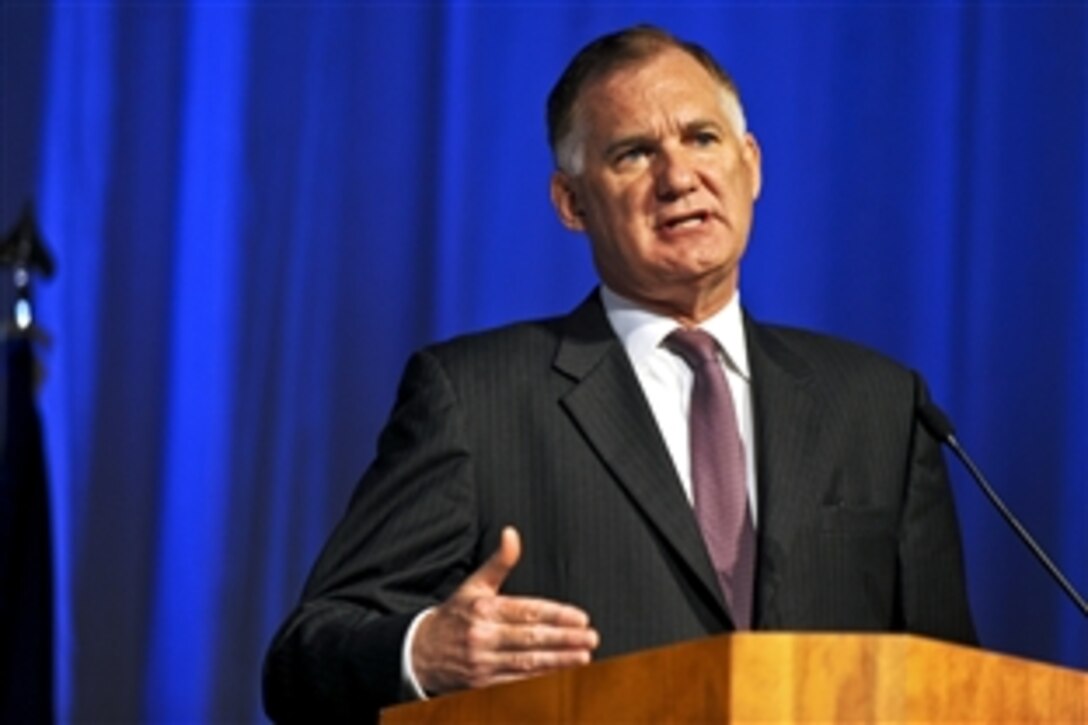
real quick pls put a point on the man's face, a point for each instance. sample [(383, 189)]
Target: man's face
[(666, 186)]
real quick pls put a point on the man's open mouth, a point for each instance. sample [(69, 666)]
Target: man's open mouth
[(685, 221)]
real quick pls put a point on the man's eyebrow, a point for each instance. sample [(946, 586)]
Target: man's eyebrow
[(635, 140), (702, 124), (628, 142)]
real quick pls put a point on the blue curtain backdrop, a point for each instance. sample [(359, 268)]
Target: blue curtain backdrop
[(259, 209)]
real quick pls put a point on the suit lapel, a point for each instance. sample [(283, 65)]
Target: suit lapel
[(609, 408), (785, 409)]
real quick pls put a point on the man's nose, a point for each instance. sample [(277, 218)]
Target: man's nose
[(675, 175)]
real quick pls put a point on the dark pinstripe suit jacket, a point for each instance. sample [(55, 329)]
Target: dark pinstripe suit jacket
[(543, 425)]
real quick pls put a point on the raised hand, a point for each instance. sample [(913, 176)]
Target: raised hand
[(479, 637)]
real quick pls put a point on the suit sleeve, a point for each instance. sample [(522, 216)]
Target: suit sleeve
[(406, 542), (933, 592)]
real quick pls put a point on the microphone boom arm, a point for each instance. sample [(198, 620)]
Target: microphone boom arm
[(938, 424)]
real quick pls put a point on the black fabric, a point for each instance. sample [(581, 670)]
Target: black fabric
[(26, 570)]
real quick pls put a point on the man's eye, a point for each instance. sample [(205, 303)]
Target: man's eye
[(706, 138), (632, 154)]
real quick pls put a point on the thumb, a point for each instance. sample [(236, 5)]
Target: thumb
[(490, 576)]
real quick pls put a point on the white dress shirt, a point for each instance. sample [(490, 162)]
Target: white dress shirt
[(666, 379)]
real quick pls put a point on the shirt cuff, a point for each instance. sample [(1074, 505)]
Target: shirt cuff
[(411, 686)]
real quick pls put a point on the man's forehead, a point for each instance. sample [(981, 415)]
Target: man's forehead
[(636, 97), (670, 76), (668, 66)]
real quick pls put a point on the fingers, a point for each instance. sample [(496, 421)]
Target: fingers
[(478, 637), (528, 611), (496, 650), (543, 638), (492, 652), (490, 576), (493, 667), (470, 644)]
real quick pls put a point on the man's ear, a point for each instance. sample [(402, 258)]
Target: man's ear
[(754, 161), (565, 201)]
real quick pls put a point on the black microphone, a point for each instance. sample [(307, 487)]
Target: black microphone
[(938, 424)]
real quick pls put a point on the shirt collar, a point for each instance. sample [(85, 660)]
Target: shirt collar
[(642, 331)]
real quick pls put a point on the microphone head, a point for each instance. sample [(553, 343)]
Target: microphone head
[(936, 422)]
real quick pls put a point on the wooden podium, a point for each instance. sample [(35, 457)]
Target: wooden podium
[(780, 677)]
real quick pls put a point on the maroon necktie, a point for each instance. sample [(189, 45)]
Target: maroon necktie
[(717, 473)]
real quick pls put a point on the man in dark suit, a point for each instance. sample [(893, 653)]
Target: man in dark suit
[(535, 500)]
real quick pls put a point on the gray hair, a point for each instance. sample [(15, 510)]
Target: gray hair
[(566, 136)]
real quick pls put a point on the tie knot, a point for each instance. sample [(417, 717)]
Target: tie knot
[(696, 346)]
